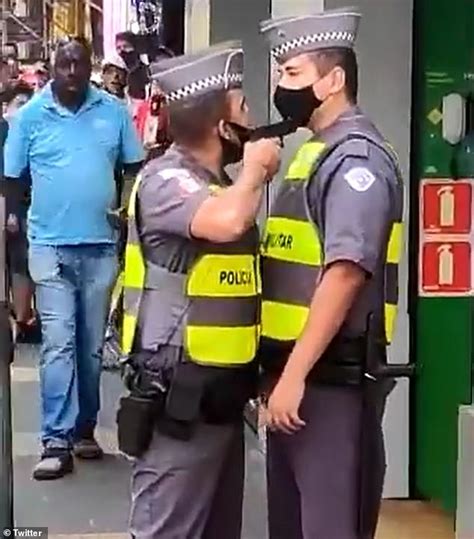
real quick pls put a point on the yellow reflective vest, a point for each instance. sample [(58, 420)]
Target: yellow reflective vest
[(293, 248), (220, 295)]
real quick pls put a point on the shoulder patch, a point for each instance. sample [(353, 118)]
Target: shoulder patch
[(187, 183), (360, 179)]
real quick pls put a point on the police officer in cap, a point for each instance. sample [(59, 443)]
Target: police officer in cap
[(192, 299), (330, 254)]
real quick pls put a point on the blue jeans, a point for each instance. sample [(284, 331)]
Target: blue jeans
[(73, 287)]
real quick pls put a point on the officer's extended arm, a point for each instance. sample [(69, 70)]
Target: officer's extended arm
[(226, 216)]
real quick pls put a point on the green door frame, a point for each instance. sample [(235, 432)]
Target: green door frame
[(441, 328)]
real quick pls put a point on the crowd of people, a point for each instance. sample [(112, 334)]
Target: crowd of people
[(213, 314), (134, 128), (123, 75), (70, 145)]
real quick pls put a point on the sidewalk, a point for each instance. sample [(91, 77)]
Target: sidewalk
[(93, 501)]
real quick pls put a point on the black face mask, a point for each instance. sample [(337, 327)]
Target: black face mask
[(296, 105), (130, 58), (233, 151)]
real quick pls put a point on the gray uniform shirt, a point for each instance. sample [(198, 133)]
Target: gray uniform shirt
[(171, 190), (353, 201)]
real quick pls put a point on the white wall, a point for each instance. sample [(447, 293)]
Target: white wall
[(117, 15), (239, 20), (197, 25)]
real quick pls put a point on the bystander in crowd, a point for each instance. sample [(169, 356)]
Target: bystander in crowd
[(126, 44), (37, 76), (71, 136), (152, 117), (114, 77), (26, 324)]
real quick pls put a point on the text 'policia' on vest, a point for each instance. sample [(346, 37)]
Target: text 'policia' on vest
[(219, 297), (293, 244)]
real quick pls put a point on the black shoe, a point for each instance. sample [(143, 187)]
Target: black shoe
[(86, 447), (55, 463)]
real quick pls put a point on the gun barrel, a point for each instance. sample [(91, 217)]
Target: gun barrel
[(376, 357), (277, 130), (396, 371)]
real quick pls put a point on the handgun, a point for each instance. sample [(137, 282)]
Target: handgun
[(276, 130)]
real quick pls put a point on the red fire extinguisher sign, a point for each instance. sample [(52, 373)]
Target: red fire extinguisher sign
[(446, 267), (447, 207), (446, 238)]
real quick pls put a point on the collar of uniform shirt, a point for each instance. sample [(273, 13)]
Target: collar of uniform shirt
[(204, 174), (346, 115)]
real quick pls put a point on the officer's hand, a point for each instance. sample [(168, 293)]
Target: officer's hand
[(264, 154), (284, 404)]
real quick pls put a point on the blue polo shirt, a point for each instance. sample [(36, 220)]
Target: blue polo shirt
[(71, 157)]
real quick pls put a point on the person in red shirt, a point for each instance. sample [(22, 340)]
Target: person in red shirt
[(152, 116), (152, 123)]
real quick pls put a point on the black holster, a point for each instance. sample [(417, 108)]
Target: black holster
[(210, 394), (136, 419), (227, 392), (183, 402)]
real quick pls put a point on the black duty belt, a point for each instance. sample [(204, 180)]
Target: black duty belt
[(196, 393), (341, 364)]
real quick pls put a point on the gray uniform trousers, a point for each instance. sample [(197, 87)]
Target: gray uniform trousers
[(190, 489), (313, 475)]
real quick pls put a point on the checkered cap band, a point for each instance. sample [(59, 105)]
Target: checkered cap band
[(303, 41), (204, 84)]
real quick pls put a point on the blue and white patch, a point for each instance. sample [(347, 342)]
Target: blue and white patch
[(187, 183), (360, 179)]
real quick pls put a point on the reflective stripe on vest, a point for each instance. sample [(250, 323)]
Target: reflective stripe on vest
[(292, 255), (220, 295), (134, 276)]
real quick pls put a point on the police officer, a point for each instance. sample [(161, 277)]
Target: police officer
[(192, 299), (330, 254)]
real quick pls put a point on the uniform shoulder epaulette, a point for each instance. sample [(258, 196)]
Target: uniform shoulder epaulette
[(355, 147)]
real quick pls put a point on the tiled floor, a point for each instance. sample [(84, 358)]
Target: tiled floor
[(400, 520), (414, 520)]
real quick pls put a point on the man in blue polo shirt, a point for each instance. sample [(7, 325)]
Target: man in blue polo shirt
[(71, 136)]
